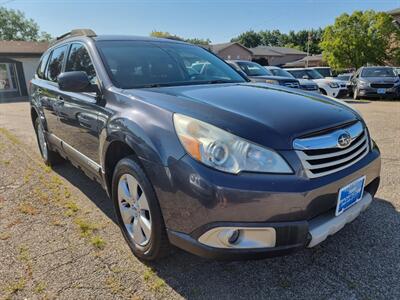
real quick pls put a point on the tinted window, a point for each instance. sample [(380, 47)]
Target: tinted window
[(281, 72), (135, 64), (326, 72), (344, 77), (79, 60), (253, 69), (55, 63), (377, 72), (42, 65)]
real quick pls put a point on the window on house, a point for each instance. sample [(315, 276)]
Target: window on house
[(8, 80), (56, 62), (79, 60)]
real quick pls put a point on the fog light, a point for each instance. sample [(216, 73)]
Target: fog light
[(239, 237), (234, 236)]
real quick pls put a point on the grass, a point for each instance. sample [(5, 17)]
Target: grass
[(23, 253), (86, 228), (72, 208), (16, 286), (27, 209), (155, 283), (98, 242), (5, 236), (40, 287), (114, 285), (13, 139)]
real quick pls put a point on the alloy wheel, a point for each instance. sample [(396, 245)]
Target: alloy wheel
[(134, 209), (42, 141)]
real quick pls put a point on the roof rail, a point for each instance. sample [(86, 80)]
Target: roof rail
[(75, 32)]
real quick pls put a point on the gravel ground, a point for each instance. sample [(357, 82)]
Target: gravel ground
[(58, 237)]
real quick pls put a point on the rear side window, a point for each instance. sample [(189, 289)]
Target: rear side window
[(55, 63), (79, 60), (42, 66)]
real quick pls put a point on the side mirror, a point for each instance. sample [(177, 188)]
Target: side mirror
[(75, 81), (305, 77)]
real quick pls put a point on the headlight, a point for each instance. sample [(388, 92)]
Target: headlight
[(271, 81), (224, 151), (362, 83), (333, 85)]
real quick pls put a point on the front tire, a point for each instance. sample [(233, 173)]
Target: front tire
[(49, 157), (138, 212)]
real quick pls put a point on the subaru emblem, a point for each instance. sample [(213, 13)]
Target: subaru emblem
[(344, 140)]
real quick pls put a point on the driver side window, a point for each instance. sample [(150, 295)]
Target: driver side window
[(79, 60)]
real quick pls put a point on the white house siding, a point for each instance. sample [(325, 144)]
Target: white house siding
[(29, 65)]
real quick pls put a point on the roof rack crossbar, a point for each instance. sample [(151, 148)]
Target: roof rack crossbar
[(76, 32)]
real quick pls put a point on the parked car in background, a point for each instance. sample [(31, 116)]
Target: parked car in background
[(327, 86), (377, 82), (397, 70), (305, 84), (258, 73), (211, 163), (346, 77), (324, 71)]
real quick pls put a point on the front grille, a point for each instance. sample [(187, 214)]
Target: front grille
[(343, 85), (382, 85), (321, 156)]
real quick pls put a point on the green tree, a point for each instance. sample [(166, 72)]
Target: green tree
[(167, 35), (248, 39), (360, 38), (15, 26)]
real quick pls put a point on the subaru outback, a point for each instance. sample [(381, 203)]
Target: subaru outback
[(206, 161)]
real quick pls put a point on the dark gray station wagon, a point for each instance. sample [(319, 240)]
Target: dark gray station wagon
[(200, 158)]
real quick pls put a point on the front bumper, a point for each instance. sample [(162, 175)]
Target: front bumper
[(373, 92), (196, 198), (290, 236)]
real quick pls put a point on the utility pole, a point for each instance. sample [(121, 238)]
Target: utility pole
[(308, 47)]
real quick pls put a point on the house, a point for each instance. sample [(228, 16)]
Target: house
[(231, 50), (264, 55), (395, 13), (276, 56), (310, 61), (18, 62)]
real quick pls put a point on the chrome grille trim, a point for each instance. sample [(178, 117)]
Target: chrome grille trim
[(329, 140), (336, 160)]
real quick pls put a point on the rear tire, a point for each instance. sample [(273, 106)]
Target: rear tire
[(138, 211), (50, 158)]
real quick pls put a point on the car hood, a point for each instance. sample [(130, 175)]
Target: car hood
[(327, 80), (269, 116), (306, 81)]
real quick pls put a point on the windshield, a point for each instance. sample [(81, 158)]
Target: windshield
[(325, 72), (253, 69), (306, 74), (377, 72), (140, 64), (281, 72)]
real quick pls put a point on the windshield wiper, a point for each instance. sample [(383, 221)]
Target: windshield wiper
[(216, 81)]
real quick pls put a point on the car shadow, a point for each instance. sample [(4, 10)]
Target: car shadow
[(360, 261)]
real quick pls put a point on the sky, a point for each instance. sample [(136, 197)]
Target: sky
[(218, 20)]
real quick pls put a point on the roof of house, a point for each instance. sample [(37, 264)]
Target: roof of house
[(394, 12), (23, 47), (301, 62), (275, 51), (219, 47), (265, 51)]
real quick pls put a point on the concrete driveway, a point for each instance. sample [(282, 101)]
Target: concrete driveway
[(360, 262)]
